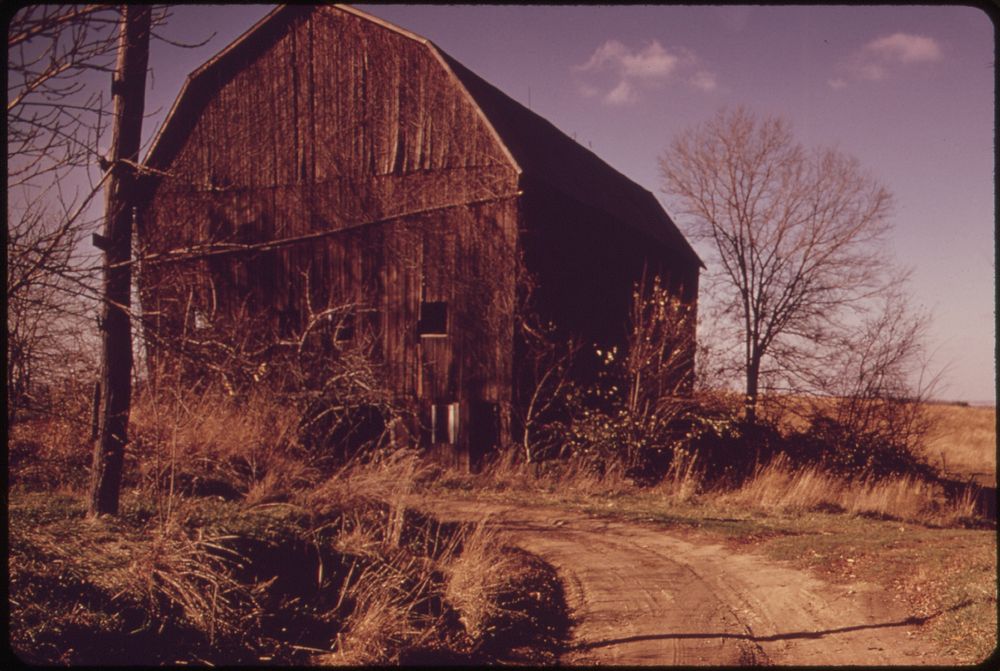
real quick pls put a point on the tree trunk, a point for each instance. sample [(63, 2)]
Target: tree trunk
[(128, 90), (752, 392)]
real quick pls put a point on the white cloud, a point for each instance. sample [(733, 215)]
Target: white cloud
[(881, 57), (872, 72), (704, 80), (624, 72), (606, 54), (623, 94), (906, 48), (653, 61), (650, 61)]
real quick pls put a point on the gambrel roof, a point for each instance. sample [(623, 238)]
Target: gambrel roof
[(535, 147)]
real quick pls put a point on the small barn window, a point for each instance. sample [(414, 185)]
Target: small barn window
[(444, 423), (433, 319)]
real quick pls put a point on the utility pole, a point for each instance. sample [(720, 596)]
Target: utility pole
[(128, 89)]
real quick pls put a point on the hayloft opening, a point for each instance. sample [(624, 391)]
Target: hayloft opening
[(433, 320)]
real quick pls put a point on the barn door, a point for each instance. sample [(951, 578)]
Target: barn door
[(484, 431)]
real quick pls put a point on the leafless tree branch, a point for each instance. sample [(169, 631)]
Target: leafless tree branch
[(797, 235)]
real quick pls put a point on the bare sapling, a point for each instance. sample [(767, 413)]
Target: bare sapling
[(874, 412)]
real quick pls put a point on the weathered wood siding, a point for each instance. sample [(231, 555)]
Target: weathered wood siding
[(326, 123), (335, 123)]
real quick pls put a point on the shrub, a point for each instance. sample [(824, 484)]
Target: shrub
[(840, 448), (728, 448)]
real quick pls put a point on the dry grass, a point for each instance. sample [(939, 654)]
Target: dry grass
[(683, 480), (780, 486), (477, 578), (117, 583), (777, 486), (51, 452), (391, 616), (237, 545), (509, 473), (965, 440), (204, 439)]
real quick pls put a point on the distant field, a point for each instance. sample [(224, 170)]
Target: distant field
[(965, 440)]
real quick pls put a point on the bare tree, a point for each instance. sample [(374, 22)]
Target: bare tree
[(59, 62), (47, 323), (54, 114), (55, 55), (797, 236)]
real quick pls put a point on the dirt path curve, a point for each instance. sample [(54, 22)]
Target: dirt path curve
[(644, 595)]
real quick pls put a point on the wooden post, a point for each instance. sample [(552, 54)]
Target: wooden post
[(95, 413), (128, 90)]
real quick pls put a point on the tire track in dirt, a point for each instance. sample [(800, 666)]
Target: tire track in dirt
[(643, 595)]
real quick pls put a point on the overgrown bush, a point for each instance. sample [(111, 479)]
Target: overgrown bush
[(605, 438), (52, 449), (616, 407), (729, 448), (841, 449), (320, 366)]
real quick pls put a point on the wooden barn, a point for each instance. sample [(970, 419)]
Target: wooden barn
[(328, 157)]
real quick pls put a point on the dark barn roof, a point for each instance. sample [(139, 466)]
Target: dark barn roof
[(546, 153), (540, 151)]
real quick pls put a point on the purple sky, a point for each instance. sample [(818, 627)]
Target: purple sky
[(909, 91)]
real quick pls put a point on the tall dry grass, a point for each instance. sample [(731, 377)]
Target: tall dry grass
[(212, 479), (393, 613), (781, 486), (684, 478), (508, 472), (52, 450), (96, 591), (206, 442), (477, 577)]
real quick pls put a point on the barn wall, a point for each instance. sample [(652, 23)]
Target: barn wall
[(337, 124), (586, 264)]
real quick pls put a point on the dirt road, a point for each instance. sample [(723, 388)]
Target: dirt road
[(643, 595)]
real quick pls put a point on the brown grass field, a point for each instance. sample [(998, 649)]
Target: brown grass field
[(964, 442), (215, 489)]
